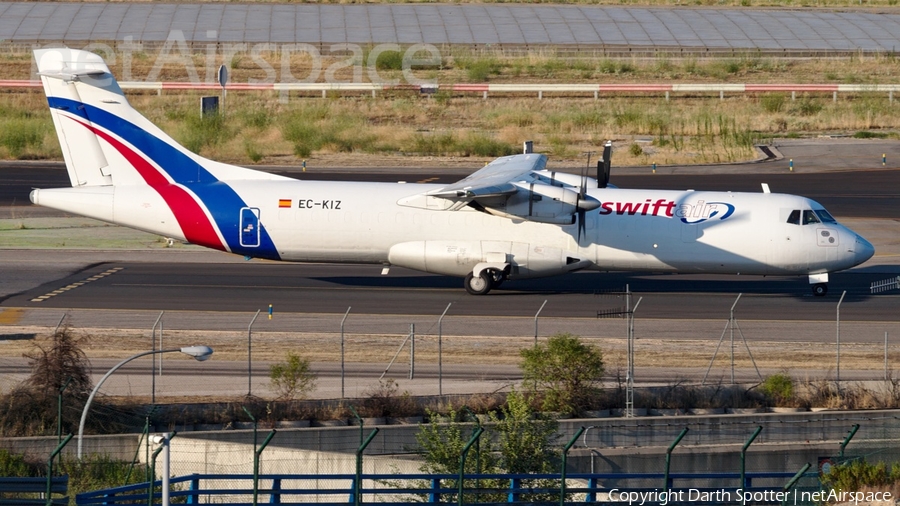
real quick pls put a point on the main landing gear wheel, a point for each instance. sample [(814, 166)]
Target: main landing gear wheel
[(479, 285), (820, 289)]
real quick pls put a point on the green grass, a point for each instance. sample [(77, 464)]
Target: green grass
[(22, 136)]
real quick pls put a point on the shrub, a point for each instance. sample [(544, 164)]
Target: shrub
[(564, 370), (778, 388), (635, 149), (857, 474), (251, 149), (808, 106), (201, 132), (293, 378), (300, 130), (14, 465), (389, 60), (773, 102), (869, 135), (479, 70), (433, 144)]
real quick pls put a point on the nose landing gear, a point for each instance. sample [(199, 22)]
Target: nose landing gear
[(819, 284)]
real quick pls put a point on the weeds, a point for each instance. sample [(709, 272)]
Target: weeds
[(22, 135), (385, 399)]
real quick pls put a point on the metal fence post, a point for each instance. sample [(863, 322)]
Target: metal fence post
[(838, 319), (793, 481), (441, 351), (256, 454), (462, 463), (342, 349), (59, 403), (743, 484), (249, 356), (152, 479), (847, 440), (153, 362), (536, 321), (53, 455), (412, 351), (669, 455), (562, 474), (357, 494)]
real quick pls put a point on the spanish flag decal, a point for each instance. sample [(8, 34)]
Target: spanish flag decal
[(284, 202)]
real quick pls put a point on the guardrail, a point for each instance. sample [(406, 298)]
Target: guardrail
[(487, 88), (410, 489)]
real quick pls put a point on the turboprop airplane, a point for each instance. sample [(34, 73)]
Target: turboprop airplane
[(512, 219)]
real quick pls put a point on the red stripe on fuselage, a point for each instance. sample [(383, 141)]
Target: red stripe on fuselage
[(194, 222)]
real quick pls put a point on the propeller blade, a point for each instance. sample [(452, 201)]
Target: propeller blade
[(581, 224), (604, 166)]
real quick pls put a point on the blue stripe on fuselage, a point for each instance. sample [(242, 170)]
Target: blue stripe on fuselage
[(223, 203)]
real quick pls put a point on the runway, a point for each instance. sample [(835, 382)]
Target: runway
[(204, 292)]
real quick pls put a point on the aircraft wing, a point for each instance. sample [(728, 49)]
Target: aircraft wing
[(495, 179), (520, 187)]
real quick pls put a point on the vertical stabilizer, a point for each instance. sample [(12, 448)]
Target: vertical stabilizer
[(71, 78)]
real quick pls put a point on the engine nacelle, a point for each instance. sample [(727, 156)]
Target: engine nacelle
[(450, 258), (458, 258), (540, 202)]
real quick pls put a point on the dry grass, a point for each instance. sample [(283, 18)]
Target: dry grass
[(260, 127), (379, 348)]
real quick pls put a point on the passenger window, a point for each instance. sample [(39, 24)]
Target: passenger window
[(794, 218), (809, 217)]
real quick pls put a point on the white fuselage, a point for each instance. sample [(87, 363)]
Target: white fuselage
[(655, 230)]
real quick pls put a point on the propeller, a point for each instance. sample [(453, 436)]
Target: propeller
[(579, 208), (584, 204)]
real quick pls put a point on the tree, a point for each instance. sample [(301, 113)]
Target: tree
[(565, 372), (526, 442), (62, 362), (526, 445), (293, 378), (30, 409), (442, 440)]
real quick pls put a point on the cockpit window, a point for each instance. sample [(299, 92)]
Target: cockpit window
[(794, 218), (825, 216), (809, 217)]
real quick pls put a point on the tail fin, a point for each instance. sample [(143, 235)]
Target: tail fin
[(71, 78), (107, 142)]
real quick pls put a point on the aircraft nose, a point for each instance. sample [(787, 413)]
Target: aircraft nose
[(863, 250)]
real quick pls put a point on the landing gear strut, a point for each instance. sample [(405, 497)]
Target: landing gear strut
[(820, 289)]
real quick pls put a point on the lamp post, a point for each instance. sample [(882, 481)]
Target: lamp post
[(200, 353)]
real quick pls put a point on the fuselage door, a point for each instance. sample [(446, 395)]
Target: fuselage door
[(250, 227)]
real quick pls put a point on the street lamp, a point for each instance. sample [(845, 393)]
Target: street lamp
[(200, 353)]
